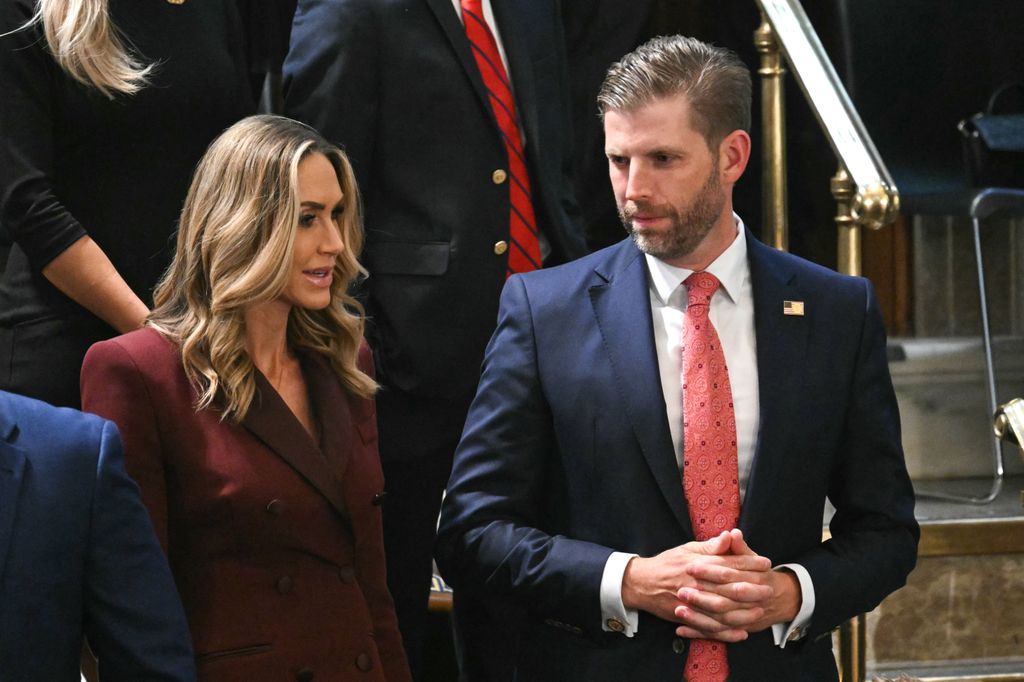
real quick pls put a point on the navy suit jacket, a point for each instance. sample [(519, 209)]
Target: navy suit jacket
[(78, 555), (567, 456), (394, 82)]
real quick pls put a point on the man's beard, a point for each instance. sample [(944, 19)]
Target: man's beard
[(689, 226)]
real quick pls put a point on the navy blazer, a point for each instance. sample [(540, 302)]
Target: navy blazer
[(395, 83), (78, 555), (567, 456)]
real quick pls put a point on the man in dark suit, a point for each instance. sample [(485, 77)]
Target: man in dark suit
[(397, 84), (594, 412), (78, 555)]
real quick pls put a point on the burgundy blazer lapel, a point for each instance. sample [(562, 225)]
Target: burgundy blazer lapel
[(333, 412), (272, 422)]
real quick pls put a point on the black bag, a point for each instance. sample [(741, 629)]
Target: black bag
[(993, 142)]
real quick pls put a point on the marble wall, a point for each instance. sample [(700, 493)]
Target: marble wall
[(965, 611)]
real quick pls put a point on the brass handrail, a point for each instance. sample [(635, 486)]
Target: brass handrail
[(865, 193), (864, 189)]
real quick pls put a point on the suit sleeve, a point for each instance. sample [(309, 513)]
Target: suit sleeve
[(492, 536), (113, 387), (873, 544), (133, 616), (331, 75)]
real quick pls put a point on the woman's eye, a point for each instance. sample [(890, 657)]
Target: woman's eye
[(307, 219), (336, 213)]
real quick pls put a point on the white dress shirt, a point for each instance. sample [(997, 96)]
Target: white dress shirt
[(732, 314)]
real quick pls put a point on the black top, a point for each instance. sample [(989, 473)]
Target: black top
[(73, 162)]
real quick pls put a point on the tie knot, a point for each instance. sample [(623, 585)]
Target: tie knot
[(700, 287)]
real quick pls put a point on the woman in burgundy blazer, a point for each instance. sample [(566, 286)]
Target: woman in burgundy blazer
[(247, 415)]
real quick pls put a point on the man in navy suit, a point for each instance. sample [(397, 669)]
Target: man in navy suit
[(396, 83), (78, 556), (566, 494)]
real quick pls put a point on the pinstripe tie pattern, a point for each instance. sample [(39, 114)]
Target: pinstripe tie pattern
[(710, 466), (524, 249)]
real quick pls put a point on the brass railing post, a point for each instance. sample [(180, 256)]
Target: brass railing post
[(852, 649), (773, 126), (849, 230)]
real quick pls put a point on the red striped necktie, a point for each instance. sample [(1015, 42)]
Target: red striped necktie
[(524, 249)]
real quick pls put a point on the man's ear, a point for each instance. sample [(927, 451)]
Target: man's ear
[(733, 155)]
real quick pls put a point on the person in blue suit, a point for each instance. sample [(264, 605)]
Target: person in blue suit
[(566, 496), (78, 556)]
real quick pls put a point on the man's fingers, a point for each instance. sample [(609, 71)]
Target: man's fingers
[(727, 568), (737, 544), (740, 593), (715, 546), (731, 636)]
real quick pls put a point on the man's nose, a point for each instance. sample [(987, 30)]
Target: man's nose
[(637, 184)]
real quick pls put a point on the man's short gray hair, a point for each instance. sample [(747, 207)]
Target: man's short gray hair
[(713, 79)]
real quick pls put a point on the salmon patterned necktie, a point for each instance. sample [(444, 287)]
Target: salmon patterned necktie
[(710, 468)]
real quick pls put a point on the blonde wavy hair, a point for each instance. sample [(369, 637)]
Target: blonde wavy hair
[(234, 250), (88, 47)]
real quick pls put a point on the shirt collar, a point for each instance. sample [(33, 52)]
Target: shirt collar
[(730, 268)]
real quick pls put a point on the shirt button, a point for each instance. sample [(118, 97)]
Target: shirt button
[(284, 585), (364, 663), (347, 575), (615, 625), (500, 248), (678, 646), (499, 176), (275, 507)]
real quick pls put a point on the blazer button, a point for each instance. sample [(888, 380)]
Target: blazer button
[(500, 248), (275, 507), (364, 662), (347, 574), (378, 498), (499, 176), (304, 675), (284, 584), (678, 646)]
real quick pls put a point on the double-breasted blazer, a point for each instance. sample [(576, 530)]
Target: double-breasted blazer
[(274, 540), (567, 456)]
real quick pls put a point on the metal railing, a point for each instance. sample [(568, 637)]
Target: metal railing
[(865, 193)]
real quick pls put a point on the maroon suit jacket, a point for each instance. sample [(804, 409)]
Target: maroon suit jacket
[(274, 540)]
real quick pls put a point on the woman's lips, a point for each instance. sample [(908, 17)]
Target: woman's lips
[(320, 277)]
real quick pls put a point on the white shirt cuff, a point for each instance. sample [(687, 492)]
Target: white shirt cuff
[(795, 629), (615, 617)]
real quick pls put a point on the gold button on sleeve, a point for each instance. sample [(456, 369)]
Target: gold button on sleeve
[(499, 176), (500, 248)]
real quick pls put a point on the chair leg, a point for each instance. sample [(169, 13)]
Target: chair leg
[(990, 384)]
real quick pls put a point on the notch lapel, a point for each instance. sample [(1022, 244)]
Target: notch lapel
[(623, 311), (444, 11), (271, 421), (781, 348), (12, 467), (333, 413), (514, 30)]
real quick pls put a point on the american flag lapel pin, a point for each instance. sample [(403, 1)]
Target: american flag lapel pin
[(793, 308)]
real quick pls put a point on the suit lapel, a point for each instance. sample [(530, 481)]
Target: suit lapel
[(520, 65), (444, 11), (12, 468), (622, 307), (781, 345), (272, 422), (333, 413)]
